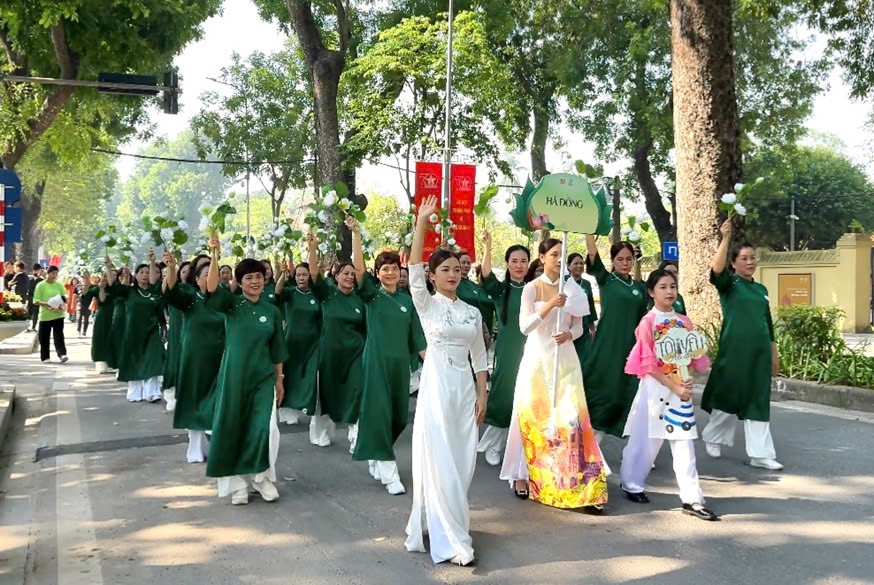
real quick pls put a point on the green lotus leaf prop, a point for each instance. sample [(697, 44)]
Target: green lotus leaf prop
[(565, 203)]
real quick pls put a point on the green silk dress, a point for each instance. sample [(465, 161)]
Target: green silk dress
[(509, 347), (740, 379), (246, 385), (201, 345), (341, 346), (583, 344), (303, 325), (609, 390), (101, 336), (393, 333), (480, 299), (174, 340), (141, 352), (119, 308)]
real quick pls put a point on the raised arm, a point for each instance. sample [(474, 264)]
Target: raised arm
[(280, 282), (314, 257), (426, 208), (357, 248), (720, 259), (172, 276), (212, 277), (591, 246), (154, 271), (486, 265)]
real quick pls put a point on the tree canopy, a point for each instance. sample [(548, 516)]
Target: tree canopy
[(833, 196)]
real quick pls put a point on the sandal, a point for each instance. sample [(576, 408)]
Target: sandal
[(521, 494)]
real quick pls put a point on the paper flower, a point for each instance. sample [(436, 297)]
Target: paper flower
[(104, 239), (183, 225), (434, 218), (740, 209), (408, 240), (729, 198), (625, 230), (451, 241), (634, 236), (330, 198), (738, 187)]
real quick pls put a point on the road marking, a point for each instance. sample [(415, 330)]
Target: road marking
[(79, 561)]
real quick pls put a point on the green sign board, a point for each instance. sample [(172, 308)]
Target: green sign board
[(565, 203)]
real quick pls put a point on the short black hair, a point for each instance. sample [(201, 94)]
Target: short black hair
[(387, 257), (37, 266), (248, 266), (53, 269)]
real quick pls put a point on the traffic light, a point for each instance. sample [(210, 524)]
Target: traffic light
[(171, 97)]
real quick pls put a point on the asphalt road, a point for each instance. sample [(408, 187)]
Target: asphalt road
[(94, 490)]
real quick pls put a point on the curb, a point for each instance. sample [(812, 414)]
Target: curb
[(7, 405), (845, 397), (21, 344)]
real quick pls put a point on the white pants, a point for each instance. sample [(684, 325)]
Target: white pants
[(198, 447), (414, 380), (640, 453), (231, 483), (138, 390), (757, 434), (384, 471), (493, 438), (321, 426), (100, 367), (170, 399), (290, 416)]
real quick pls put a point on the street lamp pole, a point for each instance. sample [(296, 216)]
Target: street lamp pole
[(447, 145)]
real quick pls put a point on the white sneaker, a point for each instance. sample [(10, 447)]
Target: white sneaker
[(713, 449), (396, 488), (493, 456), (766, 463), (461, 560), (322, 442), (240, 497), (64, 359), (267, 490)]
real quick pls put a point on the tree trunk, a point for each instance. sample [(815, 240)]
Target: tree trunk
[(31, 234), (661, 219), (538, 143), (707, 139)]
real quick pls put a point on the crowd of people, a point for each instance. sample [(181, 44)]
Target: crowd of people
[(234, 352)]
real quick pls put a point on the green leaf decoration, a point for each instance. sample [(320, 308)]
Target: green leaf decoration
[(483, 204)]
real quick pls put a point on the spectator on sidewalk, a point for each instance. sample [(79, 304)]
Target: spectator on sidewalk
[(8, 273), (35, 278), (18, 283), (50, 296)]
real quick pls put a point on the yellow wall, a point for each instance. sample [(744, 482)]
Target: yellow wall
[(840, 277)]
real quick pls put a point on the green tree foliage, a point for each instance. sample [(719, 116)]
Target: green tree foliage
[(387, 222), (396, 95), (831, 192), (617, 75), (77, 39), (528, 37), (267, 119), (168, 188), (72, 194)]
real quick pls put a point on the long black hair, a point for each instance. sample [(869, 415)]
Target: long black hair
[(507, 279)]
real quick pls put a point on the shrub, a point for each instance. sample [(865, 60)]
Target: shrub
[(812, 348)]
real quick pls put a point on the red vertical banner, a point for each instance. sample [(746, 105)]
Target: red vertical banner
[(462, 194), (429, 181)]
